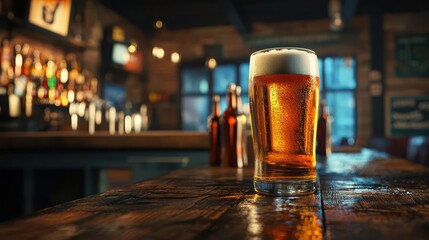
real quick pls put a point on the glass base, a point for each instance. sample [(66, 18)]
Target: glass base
[(285, 188)]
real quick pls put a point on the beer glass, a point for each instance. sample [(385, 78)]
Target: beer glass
[(284, 95)]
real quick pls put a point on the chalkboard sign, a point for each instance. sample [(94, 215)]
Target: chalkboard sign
[(409, 115), (412, 56)]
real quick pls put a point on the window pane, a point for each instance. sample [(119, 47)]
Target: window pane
[(245, 98), (342, 109), (222, 76), (340, 73), (195, 112), (244, 77), (195, 80)]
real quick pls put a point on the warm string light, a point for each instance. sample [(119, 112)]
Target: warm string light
[(159, 52), (336, 23), (132, 48), (159, 24), (175, 57), (211, 63)]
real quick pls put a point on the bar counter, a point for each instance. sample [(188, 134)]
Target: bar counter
[(363, 195), (170, 140)]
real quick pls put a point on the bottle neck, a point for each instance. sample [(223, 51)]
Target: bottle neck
[(324, 112), (239, 103), (216, 108), (232, 100)]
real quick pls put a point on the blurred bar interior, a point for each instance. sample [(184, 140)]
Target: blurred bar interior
[(86, 86)]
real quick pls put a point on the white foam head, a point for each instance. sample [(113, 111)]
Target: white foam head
[(284, 61)]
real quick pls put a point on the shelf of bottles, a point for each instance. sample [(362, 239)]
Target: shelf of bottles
[(30, 77)]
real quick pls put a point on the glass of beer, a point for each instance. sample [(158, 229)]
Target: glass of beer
[(284, 95)]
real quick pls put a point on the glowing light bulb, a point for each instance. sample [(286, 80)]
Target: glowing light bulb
[(211, 63), (159, 24), (175, 57), (132, 48)]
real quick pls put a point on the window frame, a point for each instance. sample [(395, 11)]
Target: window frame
[(201, 63), (325, 90)]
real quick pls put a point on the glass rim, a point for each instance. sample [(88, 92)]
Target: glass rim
[(283, 48)]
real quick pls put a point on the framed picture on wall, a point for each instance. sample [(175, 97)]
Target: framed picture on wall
[(407, 114), (52, 15), (412, 55)]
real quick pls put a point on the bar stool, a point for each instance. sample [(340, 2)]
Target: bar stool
[(418, 149)]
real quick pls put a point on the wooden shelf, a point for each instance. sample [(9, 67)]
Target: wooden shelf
[(21, 27)]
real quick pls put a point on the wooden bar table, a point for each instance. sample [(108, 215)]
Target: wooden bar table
[(362, 195)]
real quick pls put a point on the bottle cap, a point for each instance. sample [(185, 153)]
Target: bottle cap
[(216, 98), (238, 90), (232, 88)]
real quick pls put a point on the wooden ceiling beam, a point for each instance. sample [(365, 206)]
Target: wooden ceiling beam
[(235, 16), (349, 9)]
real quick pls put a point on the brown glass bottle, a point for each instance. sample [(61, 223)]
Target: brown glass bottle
[(213, 125), (241, 127), (231, 156), (323, 136)]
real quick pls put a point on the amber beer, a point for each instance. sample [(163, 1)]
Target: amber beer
[(284, 95)]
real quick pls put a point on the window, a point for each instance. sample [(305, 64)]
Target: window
[(199, 85), (195, 98), (338, 85)]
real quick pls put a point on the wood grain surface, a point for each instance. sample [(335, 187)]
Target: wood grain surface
[(370, 195), (364, 195)]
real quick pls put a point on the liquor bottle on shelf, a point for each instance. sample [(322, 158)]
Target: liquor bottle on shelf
[(14, 101), (231, 157), (26, 60), (213, 125), (121, 124), (36, 67), (145, 117), (51, 81), (79, 82), (37, 73), (85, 85), (241, 127), (92, 109), (62, 78), (72, 75), (17, 85), (18, 59), (323, 135), (112, 120), (30, 86), (5, 66), (42, 90), (20, 80)]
